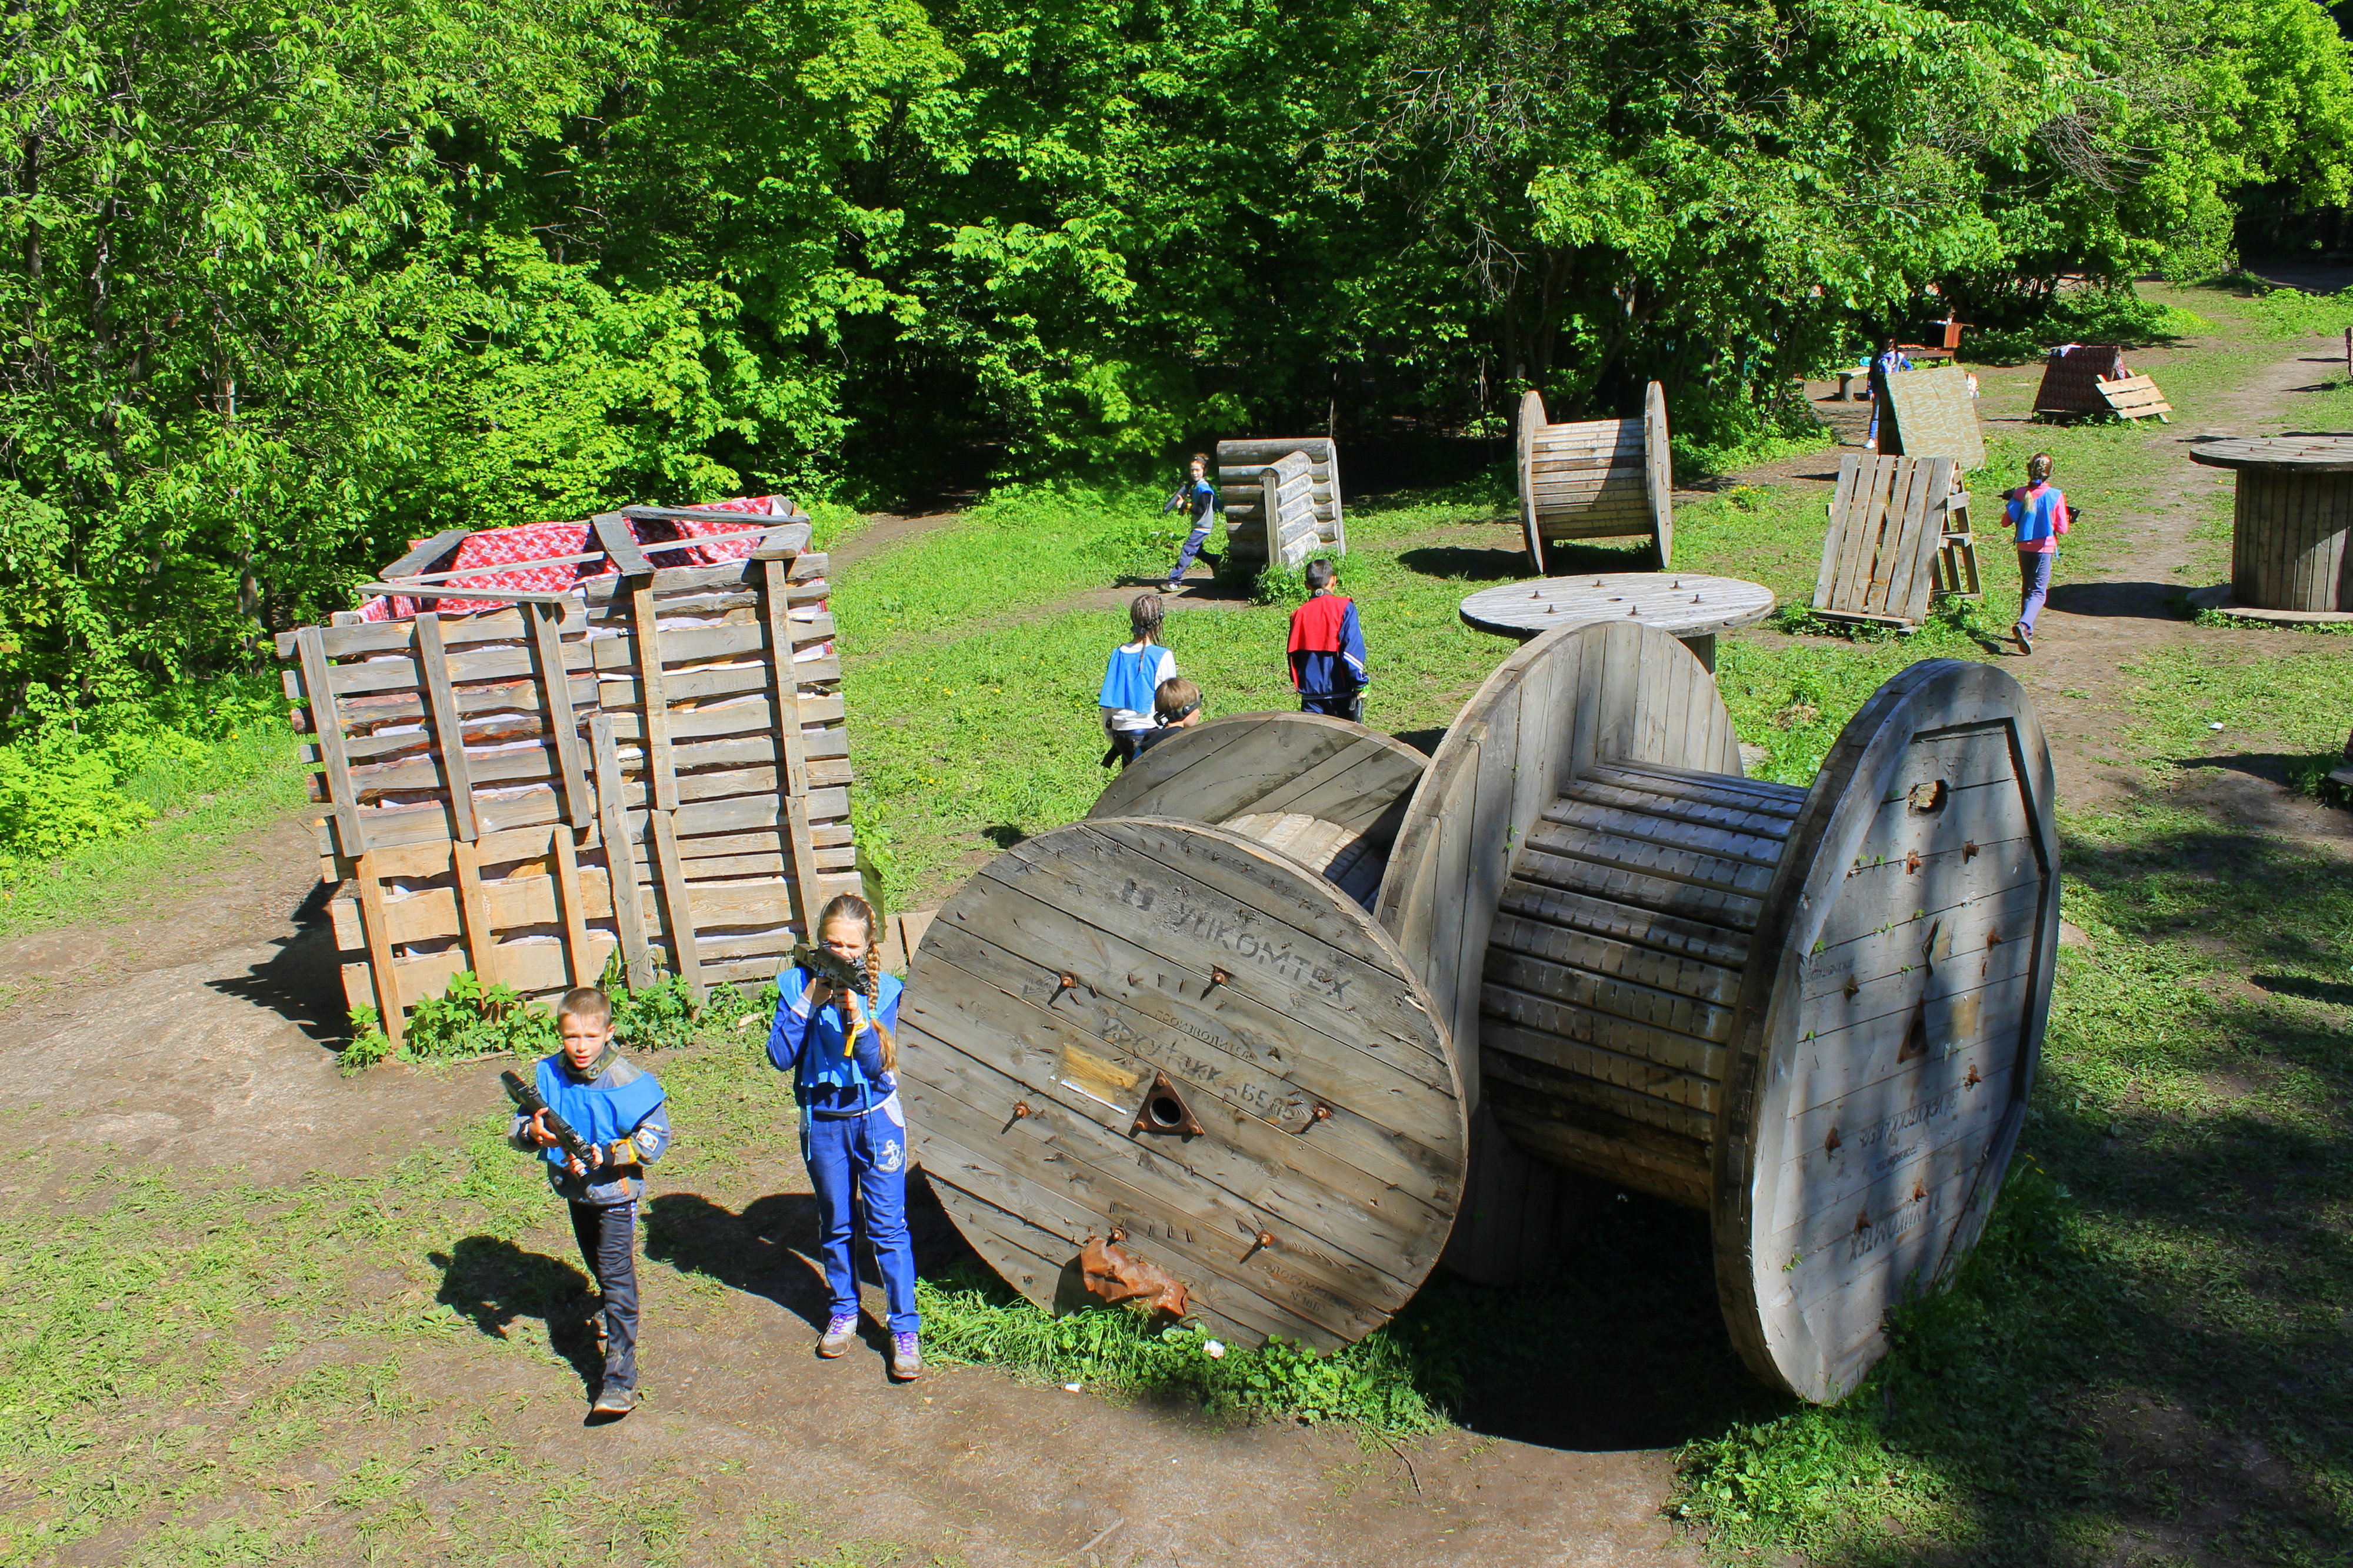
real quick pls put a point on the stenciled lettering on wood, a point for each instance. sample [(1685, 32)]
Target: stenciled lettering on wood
[(1227, 926)]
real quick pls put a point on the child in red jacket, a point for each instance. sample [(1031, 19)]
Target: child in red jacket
[(1327, 648)]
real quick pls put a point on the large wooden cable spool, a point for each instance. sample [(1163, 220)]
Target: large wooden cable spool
[(1596, 478), (1167, 1031), (1815, 1014)]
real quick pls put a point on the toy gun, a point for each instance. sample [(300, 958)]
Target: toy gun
[(843, 976), (528, 1101)]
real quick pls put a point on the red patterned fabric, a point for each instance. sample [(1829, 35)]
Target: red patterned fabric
[(548, 541)]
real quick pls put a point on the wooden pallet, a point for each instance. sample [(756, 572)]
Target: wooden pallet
[(2135, 397), (1899, 537), (677, 732), (1308, 488)]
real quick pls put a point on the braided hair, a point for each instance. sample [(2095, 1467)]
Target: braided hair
[(1145, 616), (2038, 468), (859, 912)]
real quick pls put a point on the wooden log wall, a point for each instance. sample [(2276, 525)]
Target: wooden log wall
[(491, 780), (1240, 475)]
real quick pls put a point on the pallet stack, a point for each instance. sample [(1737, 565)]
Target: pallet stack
[(493, 750), (1306, 485)]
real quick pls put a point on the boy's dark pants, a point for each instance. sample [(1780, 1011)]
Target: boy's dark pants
[(607, 1234), (1349, 705)]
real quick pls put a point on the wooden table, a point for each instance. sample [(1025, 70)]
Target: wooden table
[(2292, 527), (1685, 604)]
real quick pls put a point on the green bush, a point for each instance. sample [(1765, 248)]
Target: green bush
[(470, 1019), (1279, 584)]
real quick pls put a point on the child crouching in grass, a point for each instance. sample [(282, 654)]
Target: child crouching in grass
[(616, 1108), (840, 1049)]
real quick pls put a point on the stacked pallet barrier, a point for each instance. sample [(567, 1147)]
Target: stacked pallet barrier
[(496, 752)]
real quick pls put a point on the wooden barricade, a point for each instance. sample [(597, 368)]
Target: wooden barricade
[(2071, 377), (677, 730), (1899, 536), (1929, 413), (1308, 488), (2135, 397), (1596, 478)]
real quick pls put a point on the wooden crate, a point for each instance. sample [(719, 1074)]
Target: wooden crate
[(1242, 481), (682, 724), (1899, 535), (2135, 397)]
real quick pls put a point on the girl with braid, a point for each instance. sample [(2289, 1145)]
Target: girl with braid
[(840, 1046)]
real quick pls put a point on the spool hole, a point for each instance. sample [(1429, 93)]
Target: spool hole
[(1166, 1111)]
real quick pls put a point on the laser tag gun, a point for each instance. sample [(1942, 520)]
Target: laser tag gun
[(843, 976), (528, 1100)]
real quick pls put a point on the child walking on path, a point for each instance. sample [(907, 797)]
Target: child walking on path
[(2039, 511), (840, 1047), (1200, 497), (616, 1108), (1327, 648), (1132, 674)]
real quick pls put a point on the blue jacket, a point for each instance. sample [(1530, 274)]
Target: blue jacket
[(1327, 648), (828, 1080), (1206, 501), (614, 1100)]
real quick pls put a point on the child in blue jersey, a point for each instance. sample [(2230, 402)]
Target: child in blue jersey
[(1198, 498), (1131, 677), (2038, 510), (1891, 360), (839, 1048), (616, 1106)]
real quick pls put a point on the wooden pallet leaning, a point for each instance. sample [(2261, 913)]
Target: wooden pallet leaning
[(1594, 479), (1899, 535), (1241, 474), (2135, 397), (679, 730)]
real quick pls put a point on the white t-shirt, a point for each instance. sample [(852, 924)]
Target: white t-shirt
[(1166, 670)]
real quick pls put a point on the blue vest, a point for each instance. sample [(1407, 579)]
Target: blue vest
[(2035, 511), (602, 1116)]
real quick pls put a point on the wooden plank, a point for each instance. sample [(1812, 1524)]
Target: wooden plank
[(481, 937), (377, 930), (575, 910), (503, 595), (659, 768), (1657, 473), (620, 541), (788, 700), (425, 554), (676, 904), (555, 700), (621, 864), (319, 691), (449, 731)]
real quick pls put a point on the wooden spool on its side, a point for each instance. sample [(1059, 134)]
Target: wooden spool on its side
[(1322, 791), (1814, 1013), (1092, 973), (1596, 479)]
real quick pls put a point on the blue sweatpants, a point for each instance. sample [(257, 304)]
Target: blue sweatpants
[(2034, 583), (1193, 543), (863, 1158)]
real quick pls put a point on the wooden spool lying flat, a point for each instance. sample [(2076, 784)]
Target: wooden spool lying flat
[(1815, 1014), (1597, 479), (1060, 989)]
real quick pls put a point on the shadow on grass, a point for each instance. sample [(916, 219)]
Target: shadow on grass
[(491, 1283), (1462, 563), (301, 979)]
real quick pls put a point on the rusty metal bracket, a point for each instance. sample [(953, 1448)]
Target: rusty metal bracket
[(1165, 1110)]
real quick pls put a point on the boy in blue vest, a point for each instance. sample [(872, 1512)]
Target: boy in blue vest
[(617, 1109)]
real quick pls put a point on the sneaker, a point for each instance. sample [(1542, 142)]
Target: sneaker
[(840, 1334), (615, 1401), (1169, 586), (906, 1358), (2025, 636)]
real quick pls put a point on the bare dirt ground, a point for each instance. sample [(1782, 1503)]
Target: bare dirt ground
[(191, 1032)]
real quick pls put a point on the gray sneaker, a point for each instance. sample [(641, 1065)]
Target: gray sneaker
[(840, 1334), (906, 1358), (615, 1401)]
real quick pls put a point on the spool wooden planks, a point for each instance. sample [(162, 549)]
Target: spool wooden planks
[(1596, 478), (492, 779), (1594, 950), (2292, 523)]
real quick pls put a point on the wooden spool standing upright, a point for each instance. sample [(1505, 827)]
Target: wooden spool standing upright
[(1596, 478), (1813, 1013)]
